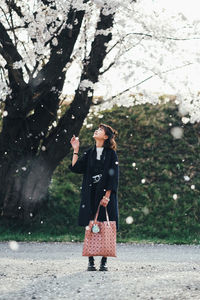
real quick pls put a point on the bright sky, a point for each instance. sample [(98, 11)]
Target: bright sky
[(189, 8), (191, 73)]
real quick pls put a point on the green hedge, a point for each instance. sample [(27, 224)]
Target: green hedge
[(145, 139)]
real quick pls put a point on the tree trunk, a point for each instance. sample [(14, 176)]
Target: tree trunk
[(26, 189)]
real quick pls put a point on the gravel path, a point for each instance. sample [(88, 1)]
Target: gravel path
[(50, 271)]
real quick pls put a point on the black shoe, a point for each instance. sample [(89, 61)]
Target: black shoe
[(103, 265), (91, 266)]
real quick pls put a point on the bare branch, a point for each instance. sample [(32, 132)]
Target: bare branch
[(5, 15), (3, 75), (55, 34), (150, 36), (11, 55), (15, 28), (85, 40), (12, 26), (144, 80), (34, 69), (160, 37), (117, 56), (25, 65), (108, 68), (12, 5)]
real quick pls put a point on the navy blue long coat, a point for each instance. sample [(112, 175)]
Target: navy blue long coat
[(109, 181)]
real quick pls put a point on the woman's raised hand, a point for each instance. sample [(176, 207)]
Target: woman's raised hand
[(75, 143)]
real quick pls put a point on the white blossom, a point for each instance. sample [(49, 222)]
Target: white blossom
[(177, 132), (13, 245), (18, 64), (111, 172), (100, 116), (129, 220), (99, 3), (182, 109), (185, 120), (86, 84), (5, 113), (145, 210), (103, 32), (89, 125), (55, 41)]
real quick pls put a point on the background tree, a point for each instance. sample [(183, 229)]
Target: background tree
[(38, 43)]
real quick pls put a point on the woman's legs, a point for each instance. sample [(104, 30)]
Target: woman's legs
[(103, 265), (91, 266)]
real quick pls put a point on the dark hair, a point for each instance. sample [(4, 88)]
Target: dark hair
[(111, 133)]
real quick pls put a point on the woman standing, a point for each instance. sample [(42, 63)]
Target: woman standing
[(99, 166)]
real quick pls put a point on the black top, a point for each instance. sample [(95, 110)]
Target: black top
[(98, 167)]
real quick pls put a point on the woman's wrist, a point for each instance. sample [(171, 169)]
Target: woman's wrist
[(107, 194), (76, 151)]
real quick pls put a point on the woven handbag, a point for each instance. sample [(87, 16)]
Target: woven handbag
[(100, 237)]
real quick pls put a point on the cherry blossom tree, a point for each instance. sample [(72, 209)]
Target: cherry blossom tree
[(33, 141), (40, 42)]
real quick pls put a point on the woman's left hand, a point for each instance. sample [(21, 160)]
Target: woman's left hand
[(104, 201)]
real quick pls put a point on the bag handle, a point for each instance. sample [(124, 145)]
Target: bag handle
[(97, 214)]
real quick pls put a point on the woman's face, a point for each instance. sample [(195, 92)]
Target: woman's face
[(100, 134)]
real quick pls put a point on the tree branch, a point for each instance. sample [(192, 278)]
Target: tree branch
[(11, 55), (112, 63), (162, 37), (5, 16), (150, 36), (79, 108), (15, 28), (144, 80), (12, 5), (12, 26), (60, 54), (108, 68)]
